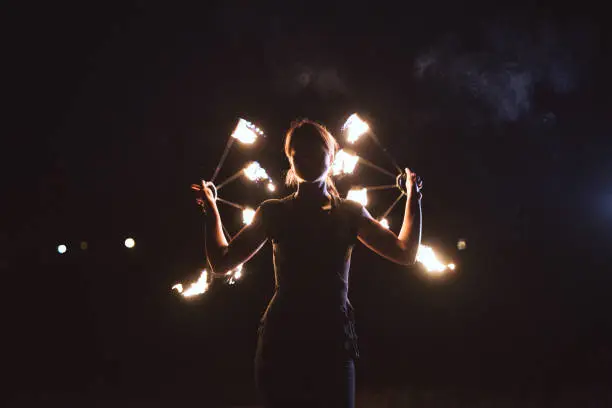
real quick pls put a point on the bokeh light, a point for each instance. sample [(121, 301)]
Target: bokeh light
[(130, 243), (461, 244), (62, 249)]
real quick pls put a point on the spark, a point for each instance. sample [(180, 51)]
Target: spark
[(359, 196), (129, 243), (384, 223), (354, 127), (62, 249), (178, 287), (271, 187), (344, 163), (247, 215)]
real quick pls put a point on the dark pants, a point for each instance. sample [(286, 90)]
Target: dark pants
[(312, 382)]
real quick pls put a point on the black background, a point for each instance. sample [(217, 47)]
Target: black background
[(114, 111)]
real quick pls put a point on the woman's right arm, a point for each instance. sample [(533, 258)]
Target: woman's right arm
[(223, 256)]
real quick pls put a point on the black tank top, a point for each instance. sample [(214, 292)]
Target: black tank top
[(312, 254)]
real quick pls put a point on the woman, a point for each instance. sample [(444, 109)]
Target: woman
[(307, 343)]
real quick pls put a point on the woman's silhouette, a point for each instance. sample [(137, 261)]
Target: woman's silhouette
[(307, 343)]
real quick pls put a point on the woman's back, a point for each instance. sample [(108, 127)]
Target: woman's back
[(312, 250)]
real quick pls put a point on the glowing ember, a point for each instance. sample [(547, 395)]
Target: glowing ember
[(344, 163), (354, 128), (384, 223), (271, 187), (198, 287), (246, 132), (255, 172), (247, 215), (430, 261), (359, 196)]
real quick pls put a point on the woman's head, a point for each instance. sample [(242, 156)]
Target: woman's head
[(311, 150)]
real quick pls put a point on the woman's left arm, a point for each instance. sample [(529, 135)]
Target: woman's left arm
[(401, 248)]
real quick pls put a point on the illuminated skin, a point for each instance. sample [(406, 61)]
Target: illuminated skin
[(311, 163)]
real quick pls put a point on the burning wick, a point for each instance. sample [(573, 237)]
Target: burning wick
[(344, 163), (359, 196), (196, 288), (354, 128), (427, 257), (247, 215), (255, 172), (246, 132)]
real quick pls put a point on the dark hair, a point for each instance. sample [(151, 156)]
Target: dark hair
[(328, 140)]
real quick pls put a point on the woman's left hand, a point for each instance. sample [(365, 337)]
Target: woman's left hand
[(413, 184)]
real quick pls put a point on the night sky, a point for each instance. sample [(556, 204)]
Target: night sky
[(114, 111)]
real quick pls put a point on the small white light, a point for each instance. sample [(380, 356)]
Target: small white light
[(129, 243), (451, 266), (62, 249), (384, 223), (271, 187)]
